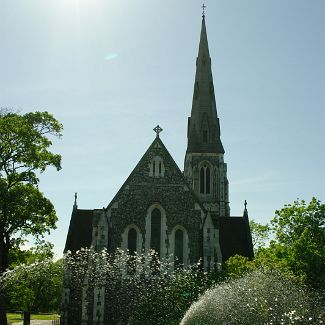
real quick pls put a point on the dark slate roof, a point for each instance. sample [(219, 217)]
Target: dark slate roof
[(80, 230), (235, 237)]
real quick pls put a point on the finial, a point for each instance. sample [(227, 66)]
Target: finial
[(203, 10), (245, 214), (157, 129), (75, 200)]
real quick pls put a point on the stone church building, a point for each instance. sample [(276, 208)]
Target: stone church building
[(184, 213)]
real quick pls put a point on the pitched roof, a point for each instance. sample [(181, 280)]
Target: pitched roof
[(235, 237), (80, 230)]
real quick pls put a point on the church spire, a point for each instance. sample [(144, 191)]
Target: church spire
[(203, 131), (204, 166)]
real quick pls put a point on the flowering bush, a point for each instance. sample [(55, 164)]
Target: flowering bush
[(36, 287), (141, 286)]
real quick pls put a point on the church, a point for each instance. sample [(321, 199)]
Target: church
[(184, 214)]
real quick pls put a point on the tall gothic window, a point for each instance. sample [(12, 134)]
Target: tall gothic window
[(155, 230), (202, 180), (132, 241), (205, 180), (179, 246)]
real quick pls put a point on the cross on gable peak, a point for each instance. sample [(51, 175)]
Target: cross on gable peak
[(158, 129)]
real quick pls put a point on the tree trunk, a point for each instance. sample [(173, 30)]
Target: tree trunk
[(3, 266)]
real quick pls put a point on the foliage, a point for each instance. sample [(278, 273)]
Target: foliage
[(298, 247), (42, 250), (151, 295), (260, 297), (260, 235), (169, 305), (24, 145), (24, 153), (35, 287), (237, 266), (300, 239)]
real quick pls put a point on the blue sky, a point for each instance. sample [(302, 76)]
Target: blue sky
[(111, 70)]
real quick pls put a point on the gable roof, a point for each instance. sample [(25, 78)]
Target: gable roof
[(80, 230), (157, 141), (235, 237)]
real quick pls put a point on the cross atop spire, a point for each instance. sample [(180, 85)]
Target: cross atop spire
[(157, 129), (203, 10)]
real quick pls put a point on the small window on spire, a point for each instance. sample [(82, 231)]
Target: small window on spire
[(205, 136)]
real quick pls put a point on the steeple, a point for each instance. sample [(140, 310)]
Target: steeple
[(203, 130), (204, 166)]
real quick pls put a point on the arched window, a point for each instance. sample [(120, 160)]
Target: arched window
[(179, 247), (156, 167), (155, 230), (202, 180), (205, 180), (132, 241)]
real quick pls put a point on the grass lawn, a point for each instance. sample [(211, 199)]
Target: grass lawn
[(15, 318)]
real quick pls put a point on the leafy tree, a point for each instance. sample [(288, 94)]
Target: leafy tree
[(260, 235), (43, 250), (237, 266), (24, 153), (300, 239), (298, 247), (35, 287)]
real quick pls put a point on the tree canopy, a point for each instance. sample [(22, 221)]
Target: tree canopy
[(300, 238), (297, 247), (24, 154)]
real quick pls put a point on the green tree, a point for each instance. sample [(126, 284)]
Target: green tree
[(298, 247), (35, 287), (260, 235), (300, 239), (43, 250), (237, 266), (24, 153)]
